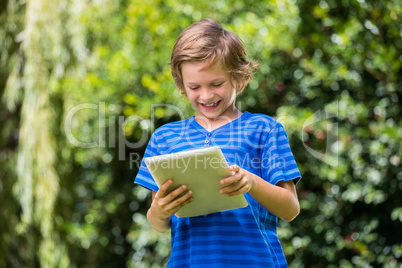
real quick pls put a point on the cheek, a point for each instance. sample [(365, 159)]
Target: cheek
[(191, 97), (231, 94)]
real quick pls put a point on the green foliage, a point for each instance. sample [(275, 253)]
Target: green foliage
[(84, 85)]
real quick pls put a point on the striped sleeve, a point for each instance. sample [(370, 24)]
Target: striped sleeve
[(278, 163), (144, 177)]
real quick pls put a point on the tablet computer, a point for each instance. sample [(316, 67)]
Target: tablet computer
[(201, 171)]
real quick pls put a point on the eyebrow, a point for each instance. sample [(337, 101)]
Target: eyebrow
[(221, 79)]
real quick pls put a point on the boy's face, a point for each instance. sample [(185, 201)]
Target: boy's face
[(210, 90)]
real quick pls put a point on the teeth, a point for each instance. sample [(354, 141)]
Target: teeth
[(211, 104)]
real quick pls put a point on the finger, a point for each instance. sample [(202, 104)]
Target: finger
[(168, 207), (231, 179), (163, 189), (175, 193), (234, 168), (177, 208), (242, 190), (178, 203), (233, 187)]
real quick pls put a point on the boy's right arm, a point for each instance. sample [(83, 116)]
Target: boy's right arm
[(165, 205)]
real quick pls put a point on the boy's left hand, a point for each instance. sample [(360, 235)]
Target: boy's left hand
[(239, 183)]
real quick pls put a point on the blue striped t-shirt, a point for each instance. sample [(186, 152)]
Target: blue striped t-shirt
[(244, 237)]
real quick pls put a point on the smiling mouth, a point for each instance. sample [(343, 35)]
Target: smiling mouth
[(212, 104)]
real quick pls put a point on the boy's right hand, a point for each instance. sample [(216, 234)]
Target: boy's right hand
[(165, 205)]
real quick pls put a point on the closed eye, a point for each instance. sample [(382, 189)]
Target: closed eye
[(218, 85)]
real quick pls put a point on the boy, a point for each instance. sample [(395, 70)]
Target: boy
[(209, 66)]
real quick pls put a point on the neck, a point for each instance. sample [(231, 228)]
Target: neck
[(211, 124)]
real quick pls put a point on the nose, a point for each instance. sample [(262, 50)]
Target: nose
[(206, 94)]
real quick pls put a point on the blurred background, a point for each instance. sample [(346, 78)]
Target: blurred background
[(84, 83)]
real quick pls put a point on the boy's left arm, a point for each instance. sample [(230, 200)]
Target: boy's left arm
[(280, 199)]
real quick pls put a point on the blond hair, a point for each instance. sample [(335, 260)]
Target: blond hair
[(206, 41)]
